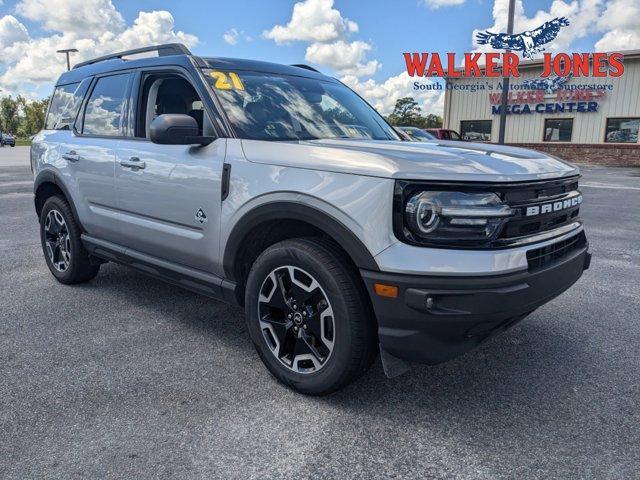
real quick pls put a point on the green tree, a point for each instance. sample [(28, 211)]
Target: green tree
[(9, 115), (407, 112), (32, 120), (433, 121), (22, 117)]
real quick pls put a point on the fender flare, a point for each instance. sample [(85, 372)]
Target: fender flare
[(287, 210), (50, 176)]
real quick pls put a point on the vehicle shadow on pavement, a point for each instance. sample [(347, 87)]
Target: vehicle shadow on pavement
[(533, 363)]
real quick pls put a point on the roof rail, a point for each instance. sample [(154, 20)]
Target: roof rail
[(306, 67), (163, 50)]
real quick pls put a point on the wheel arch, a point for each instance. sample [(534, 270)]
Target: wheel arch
[(270, 223), (47, 183)]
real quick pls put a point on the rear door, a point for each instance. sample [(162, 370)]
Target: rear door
[(91, 156), (169, 196)]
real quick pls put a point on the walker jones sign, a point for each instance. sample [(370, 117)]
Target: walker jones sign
[(540, 101)]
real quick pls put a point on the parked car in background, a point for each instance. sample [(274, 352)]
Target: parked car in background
[(8, 139), (416, 134), (444, 134)]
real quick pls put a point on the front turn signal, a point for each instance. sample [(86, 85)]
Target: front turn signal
[(382, 290)]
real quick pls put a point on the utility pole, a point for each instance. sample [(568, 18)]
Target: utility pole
[(505, 80), (67, 51)]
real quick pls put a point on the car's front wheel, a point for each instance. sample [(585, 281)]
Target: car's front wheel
[(64, 253), (309, 316)]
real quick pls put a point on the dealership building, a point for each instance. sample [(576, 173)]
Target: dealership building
[(580, 119)]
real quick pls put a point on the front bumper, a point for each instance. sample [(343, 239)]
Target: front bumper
[(436, 318)]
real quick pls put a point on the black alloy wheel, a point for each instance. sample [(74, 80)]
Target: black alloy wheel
[(296, 319)]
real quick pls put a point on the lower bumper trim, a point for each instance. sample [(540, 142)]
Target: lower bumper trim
[(435, 319)]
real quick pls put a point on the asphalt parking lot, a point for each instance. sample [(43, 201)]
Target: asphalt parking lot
[(127, 377)]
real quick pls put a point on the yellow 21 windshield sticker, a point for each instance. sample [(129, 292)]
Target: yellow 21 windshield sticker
[(227, 81)]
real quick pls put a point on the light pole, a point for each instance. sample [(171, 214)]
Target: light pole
[(67, 51), (505, 80)]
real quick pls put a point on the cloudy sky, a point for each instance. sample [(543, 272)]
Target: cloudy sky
[(359, 41)]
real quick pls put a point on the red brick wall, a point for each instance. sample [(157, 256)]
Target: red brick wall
[(597, 154)]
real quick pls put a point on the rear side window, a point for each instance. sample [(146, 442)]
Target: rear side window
[(64, 105), (105, 108)]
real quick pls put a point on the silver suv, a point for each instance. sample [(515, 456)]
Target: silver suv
[(279, 189)]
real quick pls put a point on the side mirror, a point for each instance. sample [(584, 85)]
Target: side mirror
[(177, 129)]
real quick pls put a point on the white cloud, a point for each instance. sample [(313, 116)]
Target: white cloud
[(327, 31), (348, 58), (32, 63), (581, 13), (11, 31), (435, 4), (621, 22), (383, 95), (72, 15), (313, 21), (231, 36)]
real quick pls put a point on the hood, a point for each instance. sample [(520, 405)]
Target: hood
[(436, 160)]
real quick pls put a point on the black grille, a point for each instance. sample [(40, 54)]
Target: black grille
[(540, 257), (539, 194)]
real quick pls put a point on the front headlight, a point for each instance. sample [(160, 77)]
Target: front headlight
[(453, 218)]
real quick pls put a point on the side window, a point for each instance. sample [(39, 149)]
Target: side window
[(64, 106), (168, 94), (105, 109)]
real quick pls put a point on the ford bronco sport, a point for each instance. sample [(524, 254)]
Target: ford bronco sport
[(279, 189)]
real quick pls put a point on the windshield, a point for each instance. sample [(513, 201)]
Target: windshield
[(265, 106)]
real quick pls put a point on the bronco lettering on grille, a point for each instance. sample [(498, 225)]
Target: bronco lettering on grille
[(553, 206)]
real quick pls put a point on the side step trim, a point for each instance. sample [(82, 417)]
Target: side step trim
[(189, 278)]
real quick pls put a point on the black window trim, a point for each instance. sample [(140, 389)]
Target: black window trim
[(544, 129), (490, 120), (606, 123), (83, 107)]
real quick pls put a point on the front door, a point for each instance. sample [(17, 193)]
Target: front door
[(169, 196), (169, 200)]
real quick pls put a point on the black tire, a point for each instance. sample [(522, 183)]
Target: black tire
[(354, 333), (79, 267)]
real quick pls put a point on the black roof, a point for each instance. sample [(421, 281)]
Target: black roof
[(179, 55)]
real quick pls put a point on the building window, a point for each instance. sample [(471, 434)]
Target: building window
[(558, 130), (622, 130), (476, 130)]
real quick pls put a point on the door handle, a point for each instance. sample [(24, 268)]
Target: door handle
[(133, 163), (71, 156)]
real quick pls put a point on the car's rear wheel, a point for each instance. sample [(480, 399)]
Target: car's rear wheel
[(309, 317), (64, 253)]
